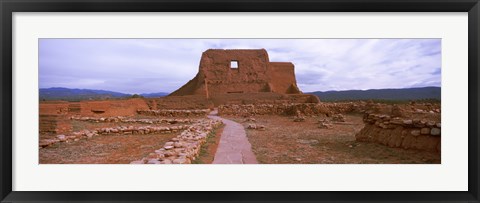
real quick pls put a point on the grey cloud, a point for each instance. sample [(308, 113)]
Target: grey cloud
[(163, 65)]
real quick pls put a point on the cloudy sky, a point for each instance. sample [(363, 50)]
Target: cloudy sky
[(164, 65)]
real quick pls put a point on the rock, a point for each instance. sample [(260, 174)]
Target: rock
[(152, 156), (308, 141), (396, 121), (435, 131), (168, 147), (137, 162), (430, 123), (252, 126), (89, 135), (407, 122), (338, 118), (425, 131), (439, 125), (61, 137), (169, 153), (325, 126), (299, 119), (153, 161), (167, 161), (415, 132), (180, 161)]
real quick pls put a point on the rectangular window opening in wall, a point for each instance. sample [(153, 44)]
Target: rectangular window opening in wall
[(233, 64)]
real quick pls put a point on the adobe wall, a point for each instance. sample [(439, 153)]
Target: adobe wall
[(127, 107), (283, 78), (54, 124), (179, 102), (255, 73)]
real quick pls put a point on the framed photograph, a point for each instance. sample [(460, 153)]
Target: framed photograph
[(239, 101)]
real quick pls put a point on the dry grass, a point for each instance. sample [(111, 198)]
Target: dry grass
[(208, 150)]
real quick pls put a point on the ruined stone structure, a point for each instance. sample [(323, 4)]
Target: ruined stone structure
[(240, 71)]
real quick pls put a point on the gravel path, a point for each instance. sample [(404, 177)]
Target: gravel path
[(234, 147)]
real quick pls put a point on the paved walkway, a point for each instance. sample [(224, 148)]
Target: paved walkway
[(234, 147)]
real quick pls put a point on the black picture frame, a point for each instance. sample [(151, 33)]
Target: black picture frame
[(7, 7)]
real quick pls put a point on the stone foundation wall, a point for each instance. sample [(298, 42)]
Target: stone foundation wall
[(402, 133), (120, 119), (75, 136), (185, 147), (174, 113), (286, 109)]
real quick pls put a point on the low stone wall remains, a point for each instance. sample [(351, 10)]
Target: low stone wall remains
[(402, 133), (121, 119), (273, 109), (174, 112), (184, 148), (120, 130)]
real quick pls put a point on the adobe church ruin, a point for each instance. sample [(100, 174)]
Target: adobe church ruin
[(224, 71)]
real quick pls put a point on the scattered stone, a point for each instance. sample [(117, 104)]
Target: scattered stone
[(311, 142), (338, 118), (299, 119), (325, 125)]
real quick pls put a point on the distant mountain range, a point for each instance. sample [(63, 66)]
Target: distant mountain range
[(153, 95), (60, 93), (381, 94), (67, 94)]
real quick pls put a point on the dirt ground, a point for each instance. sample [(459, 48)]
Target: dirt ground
[(104, 149), (288, 142)]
